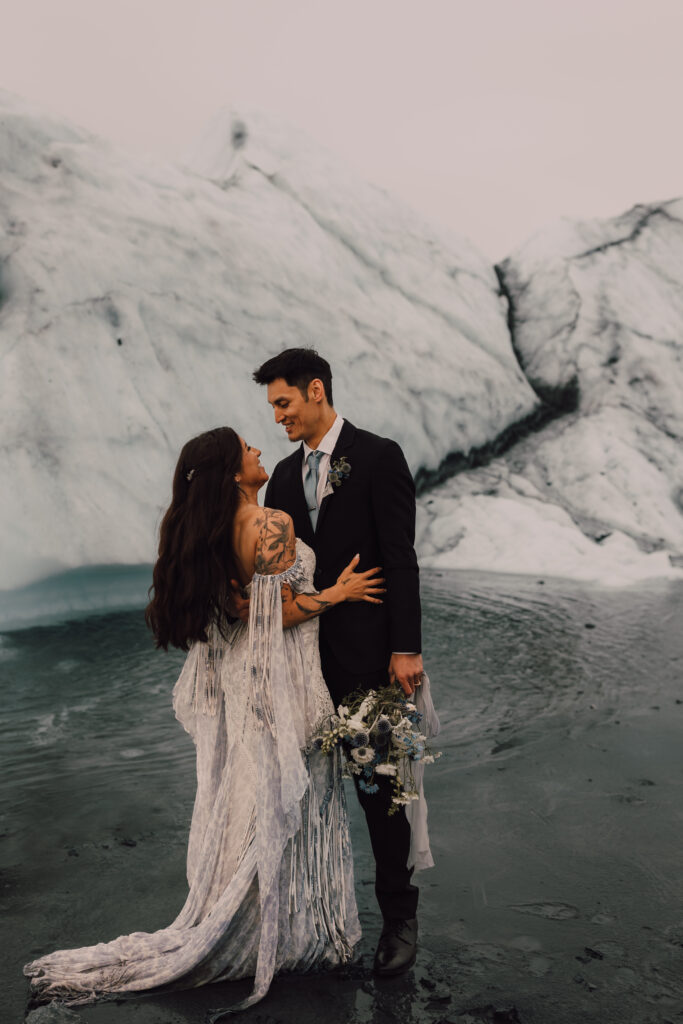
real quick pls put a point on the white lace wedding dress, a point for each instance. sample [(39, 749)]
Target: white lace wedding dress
[(269, 859)]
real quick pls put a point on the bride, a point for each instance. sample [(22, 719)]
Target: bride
[(269, 858)]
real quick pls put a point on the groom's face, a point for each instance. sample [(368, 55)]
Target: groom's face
[(298, 416)]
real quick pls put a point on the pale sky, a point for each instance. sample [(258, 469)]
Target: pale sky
[(493, 117)]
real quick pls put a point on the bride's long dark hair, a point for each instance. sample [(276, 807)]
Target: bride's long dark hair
[(196, 561)]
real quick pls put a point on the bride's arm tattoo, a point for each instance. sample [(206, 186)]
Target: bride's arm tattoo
[(311, 604), (276, 544), (308, 605), (275, 552)]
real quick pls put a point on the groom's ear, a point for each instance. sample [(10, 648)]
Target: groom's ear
[(316, 390)]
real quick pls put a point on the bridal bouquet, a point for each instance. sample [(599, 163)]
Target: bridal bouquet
[(379, 732)]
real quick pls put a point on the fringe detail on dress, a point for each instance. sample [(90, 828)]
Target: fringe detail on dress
[(206, 690), (249, 837), (317, 878)]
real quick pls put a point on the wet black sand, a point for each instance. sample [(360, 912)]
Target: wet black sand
[(556, 813)]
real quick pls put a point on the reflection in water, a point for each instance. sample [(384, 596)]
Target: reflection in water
[(509, 657), (512, 657), (92, 757)]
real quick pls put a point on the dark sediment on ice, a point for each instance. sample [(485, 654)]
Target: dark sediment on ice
[(554, 402)]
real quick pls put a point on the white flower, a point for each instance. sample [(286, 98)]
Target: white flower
[(343, 712), (355, 725), (363, 755), (385, 769), (428, 759), (410, 707), (366, 706)]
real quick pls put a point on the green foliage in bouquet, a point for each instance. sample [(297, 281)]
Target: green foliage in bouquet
[(379, 732)]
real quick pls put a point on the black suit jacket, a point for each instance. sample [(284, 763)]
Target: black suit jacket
[(372, 513)]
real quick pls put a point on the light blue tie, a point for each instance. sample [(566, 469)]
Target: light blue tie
[(311, 485)]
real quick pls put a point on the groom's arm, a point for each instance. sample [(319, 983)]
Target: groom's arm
[(393, 503)]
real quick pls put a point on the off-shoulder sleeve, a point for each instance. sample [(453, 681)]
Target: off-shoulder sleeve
[(281, 769), (295, 575), (282, 777)]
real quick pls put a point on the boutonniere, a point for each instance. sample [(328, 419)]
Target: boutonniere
[(339, 470), (336, 475)]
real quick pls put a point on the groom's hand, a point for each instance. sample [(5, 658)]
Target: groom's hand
[(406, 670), (238, 605)]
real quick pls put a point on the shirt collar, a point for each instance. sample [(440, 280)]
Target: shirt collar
[(328, 442)]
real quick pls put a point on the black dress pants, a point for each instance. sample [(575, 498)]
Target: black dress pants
[(389, 836)]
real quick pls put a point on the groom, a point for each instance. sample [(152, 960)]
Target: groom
[(349, 491)]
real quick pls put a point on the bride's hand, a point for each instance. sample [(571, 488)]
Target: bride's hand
[(360, 586), (238, 604)]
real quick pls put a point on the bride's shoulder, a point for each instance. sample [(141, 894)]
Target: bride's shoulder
[(275, 541), (275, 514), (263, 521), (272, 523)]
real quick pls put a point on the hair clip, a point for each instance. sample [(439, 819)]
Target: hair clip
[(188, 476)]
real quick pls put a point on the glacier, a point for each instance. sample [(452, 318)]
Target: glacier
[(596, 320), (137, 296)]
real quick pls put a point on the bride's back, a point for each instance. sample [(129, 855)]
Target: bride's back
[(245, 535)]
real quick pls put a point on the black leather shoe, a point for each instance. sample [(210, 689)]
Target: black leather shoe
[(397, 947)]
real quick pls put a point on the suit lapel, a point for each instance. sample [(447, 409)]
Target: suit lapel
[(344, 441)]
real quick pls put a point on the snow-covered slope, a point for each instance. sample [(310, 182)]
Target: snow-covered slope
[(597, 312), (137, 297), (603, 304)]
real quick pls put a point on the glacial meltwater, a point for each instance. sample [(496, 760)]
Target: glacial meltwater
[(556, 810)]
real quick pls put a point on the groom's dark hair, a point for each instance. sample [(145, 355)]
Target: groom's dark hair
[(298, 366)]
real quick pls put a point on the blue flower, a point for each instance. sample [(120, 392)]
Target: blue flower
[(373, 788), (360, 739)]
